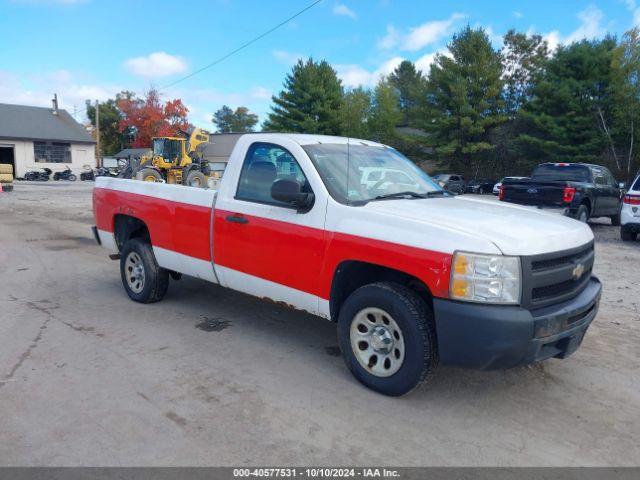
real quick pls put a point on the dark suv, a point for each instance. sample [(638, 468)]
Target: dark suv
[(451, 182)]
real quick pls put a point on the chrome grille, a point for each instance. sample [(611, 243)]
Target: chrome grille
[(553, 278)]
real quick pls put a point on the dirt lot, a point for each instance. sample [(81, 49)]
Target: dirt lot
[(211, 377)]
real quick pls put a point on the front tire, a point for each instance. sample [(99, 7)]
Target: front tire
[(143, 279), (387, 337), (72, 178), (196, 178), (149, 175)]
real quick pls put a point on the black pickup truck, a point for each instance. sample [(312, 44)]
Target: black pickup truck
[(578, 190)]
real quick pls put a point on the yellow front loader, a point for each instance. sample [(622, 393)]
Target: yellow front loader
[(176, 160)]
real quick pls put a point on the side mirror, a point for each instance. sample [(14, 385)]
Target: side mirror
[(288, 191)]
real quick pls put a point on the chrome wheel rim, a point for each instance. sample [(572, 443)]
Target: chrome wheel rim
[(377, 342), (134, 272)]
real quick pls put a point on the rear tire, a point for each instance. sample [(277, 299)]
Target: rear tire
[(387, 337), (143, 279), (627, 235), (72, 178), (582, 215)]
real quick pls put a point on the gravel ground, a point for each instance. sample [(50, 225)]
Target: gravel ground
[(213, 377)]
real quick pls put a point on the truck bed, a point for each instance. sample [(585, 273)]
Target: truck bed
[(179, 219)]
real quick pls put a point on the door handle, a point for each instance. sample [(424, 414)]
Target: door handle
[(236, 219)]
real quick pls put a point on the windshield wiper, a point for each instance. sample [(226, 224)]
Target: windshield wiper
[(402, 195)]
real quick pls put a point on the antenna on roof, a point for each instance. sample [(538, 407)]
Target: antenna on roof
[(54, 101)]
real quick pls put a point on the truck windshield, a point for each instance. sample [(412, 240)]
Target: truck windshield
[(356, 174), (562, 172)]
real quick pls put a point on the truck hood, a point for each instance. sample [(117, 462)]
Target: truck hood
[(513, 229)]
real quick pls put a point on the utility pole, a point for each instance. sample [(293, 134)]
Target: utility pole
[(98, 155)]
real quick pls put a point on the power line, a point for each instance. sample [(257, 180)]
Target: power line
[(243, 46)]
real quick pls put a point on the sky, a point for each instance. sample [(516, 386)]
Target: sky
[(92, 49)]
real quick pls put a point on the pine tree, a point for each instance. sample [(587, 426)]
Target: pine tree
[(238, 121), (410, 86), (310, 101), (355, 113), (569, 116), (625, 88), (464, 97), (386, 113)]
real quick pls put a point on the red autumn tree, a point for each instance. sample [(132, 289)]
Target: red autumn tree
[(148, 117)]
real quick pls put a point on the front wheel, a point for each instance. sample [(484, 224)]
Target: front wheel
[(196, 178), (143, 279), (387, 338), (72, 178), (149, 175)]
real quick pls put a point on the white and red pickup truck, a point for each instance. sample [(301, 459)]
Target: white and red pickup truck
[(413, 276)]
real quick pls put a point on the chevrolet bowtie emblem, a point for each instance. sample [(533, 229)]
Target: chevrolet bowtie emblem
[(578, 270)]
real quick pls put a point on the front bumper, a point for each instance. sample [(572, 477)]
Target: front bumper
[(488, 337)]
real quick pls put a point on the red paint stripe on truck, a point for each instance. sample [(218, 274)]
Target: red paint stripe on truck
[(312, 255), (187, 234)]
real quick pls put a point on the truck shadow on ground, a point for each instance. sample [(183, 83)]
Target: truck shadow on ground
[(235, 313)]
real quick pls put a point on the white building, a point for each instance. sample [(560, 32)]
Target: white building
[(32, 138)]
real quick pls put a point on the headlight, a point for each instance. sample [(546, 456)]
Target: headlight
[(485, 278), (441, 183)]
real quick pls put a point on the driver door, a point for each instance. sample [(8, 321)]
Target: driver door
[(264, 247)]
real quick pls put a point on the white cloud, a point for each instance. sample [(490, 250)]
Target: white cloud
[(156, 65), (288, 58), (590, 27), (38, 91), (74, 91), (343, 10), (419, 37), (633, 7), (357, 76), (424, 63), (517, 14), (554, 39), (430, 32), (391, 39)]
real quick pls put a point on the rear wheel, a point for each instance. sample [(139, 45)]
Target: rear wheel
[(196, 178), (72, 178), (149, 175), (583, 214), (627, 235), (143, 279), (387, 338)]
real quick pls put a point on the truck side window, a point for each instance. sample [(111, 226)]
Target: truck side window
[(264, 164)]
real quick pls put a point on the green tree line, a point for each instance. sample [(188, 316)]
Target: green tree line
[(478, 110), (482, 111)]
